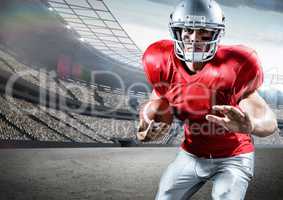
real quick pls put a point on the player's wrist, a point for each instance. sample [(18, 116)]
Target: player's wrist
[(252, 126)]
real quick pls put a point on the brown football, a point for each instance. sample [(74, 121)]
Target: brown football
[(158, 110)]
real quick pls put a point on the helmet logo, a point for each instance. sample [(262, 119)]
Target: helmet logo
[(191, 19)]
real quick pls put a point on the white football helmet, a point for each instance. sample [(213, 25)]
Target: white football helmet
[(195, 15)]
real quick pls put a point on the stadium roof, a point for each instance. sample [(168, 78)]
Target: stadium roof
[(95, 25)]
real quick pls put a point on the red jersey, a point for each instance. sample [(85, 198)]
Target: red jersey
[(231, 75)]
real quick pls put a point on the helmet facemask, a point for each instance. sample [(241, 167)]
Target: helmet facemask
[(195, 51)]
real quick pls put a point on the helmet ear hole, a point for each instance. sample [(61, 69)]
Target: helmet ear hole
[(176, 33), (216, 34)]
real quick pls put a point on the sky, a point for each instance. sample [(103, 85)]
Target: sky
[(146, 21), (274, 5)]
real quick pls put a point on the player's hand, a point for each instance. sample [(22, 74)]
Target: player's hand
[(234, 120), (152, 131)]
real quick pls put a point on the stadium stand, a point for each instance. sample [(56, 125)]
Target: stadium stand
[(109, 127), (8, 131), (55, 125), (29, 126)]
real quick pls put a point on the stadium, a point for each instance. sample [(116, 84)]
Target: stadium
[(72, 85)]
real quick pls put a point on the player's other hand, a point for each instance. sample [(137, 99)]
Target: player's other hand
[(152, 130), (234, 120)]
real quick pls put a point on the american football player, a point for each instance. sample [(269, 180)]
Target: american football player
[(213, 90)]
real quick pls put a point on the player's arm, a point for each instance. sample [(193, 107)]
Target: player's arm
[(143, 123), (154, 95), (263, 120), (157, 71), (255, 117), (150, 130)]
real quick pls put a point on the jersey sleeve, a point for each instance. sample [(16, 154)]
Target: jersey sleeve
[(156, 68), (249, 76)]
